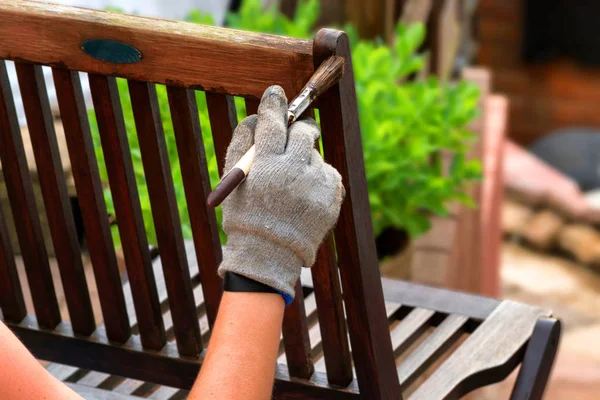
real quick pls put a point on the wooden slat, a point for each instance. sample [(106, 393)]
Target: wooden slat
[(91, 393), (409, 329), (194, 171), (159, 181), (251, 106), (487, 356), (11, 296), (223, 121), (91, 200), (163, 367), (22, 201), (357, 256), (431, 348), (447, 301), (121, 177), (60, 371), (190, 55), (56, 199), (295, 337), (332, 321)]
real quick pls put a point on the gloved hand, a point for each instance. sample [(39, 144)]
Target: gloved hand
[(277, 218)]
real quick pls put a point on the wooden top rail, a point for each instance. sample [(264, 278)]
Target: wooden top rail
[(174, 53)]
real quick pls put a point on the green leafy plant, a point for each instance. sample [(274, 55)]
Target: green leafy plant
[(405, 124)]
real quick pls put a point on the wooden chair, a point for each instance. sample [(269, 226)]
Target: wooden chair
[(377, 340)]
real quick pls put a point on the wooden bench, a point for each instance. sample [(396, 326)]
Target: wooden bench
[(348, 334)]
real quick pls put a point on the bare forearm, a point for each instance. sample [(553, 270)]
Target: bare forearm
[(22, 376), (242, 354)]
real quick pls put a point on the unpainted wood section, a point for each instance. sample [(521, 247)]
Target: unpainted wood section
[(296, 339), (332, 321), (194, 171), (159, 181), (173, 53), (223, 121), (88, 392), (487, 356), (357, 257), (12, 303), (409, 329), (442, 300), (22, 201), (91, 200), (251, 106), (430, 349), (121, 178), (56, 199)]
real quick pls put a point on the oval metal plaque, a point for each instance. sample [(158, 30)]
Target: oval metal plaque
[(111, 51)]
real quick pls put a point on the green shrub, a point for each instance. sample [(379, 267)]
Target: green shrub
[(404, 124)]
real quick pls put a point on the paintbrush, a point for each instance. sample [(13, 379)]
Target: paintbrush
[(328, 74)]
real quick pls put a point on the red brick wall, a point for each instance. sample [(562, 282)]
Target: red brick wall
[(542, 98)]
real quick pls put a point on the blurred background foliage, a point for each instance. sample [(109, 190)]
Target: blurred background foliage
[(405, 123)]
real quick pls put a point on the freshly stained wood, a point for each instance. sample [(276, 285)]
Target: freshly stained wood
[(410, 328), (430, 349), (223, 121), (20, 195), (295, 338), (56, 199), (121, 178), (91, 200), (194, 171), (332, 321), (11, 295), (185, 54), (159, 181), (365, 306), (487, 356), (252, 106)]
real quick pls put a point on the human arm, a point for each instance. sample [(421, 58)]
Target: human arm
[(23, 377), (275, 222)]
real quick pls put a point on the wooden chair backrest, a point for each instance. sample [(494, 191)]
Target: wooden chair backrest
[(186, 58)]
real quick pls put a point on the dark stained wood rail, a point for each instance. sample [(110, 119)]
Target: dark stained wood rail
[(348, 335)]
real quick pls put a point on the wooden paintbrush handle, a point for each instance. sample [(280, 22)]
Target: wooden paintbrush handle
[(232, 179), (328, 74)]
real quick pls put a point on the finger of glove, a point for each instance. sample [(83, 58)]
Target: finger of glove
[(242, 140), (301, 139), (271, 129)]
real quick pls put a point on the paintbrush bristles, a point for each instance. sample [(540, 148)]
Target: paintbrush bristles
[(328, 74)]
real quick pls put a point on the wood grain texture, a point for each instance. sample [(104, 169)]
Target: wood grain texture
[(430, 349), (173, 53), (121, 178), (91, 200), (56, 198), (12, 303), (487, 356), (332, 321), (22, 201), (159, 180), (447, 301), (194, 171), (410, 328), (363, 295), (295, 337), (223, 121)]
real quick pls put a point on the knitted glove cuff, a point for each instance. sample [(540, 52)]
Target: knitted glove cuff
[(261, 259)]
